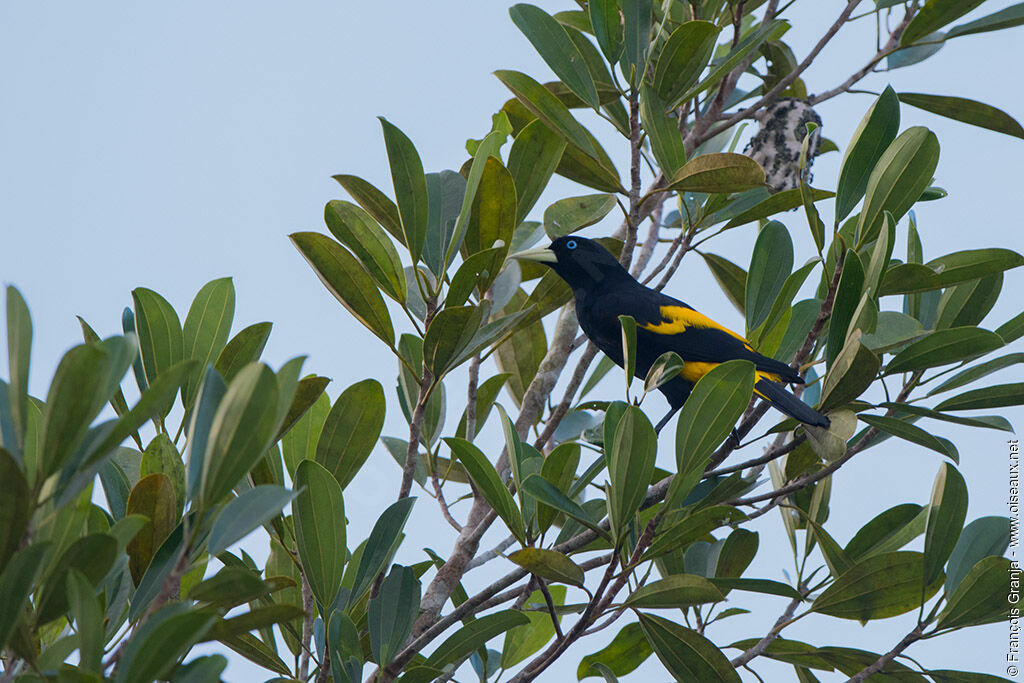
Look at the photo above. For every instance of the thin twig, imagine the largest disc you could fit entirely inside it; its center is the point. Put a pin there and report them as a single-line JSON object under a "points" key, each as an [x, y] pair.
{"points": [[474, 381], [881, 662], [307, 628], [769, 637]]}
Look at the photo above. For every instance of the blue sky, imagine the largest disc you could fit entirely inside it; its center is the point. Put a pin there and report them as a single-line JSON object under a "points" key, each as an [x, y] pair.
{"points": [[165, 145]]}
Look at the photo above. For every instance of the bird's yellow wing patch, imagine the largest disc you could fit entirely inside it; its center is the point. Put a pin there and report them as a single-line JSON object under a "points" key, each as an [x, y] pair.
{"points": [[693, 371], [677, 319]]}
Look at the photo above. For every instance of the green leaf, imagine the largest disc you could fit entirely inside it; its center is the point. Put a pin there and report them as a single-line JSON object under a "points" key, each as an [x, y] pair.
{"points": [[546, 107], [776, 203], [880, 586], [449, 334], [550, 40], [307, 394], [997, 21], [356, 229], [16, 506], [533, 158], [636, 24], [319, 513], [158, 644], [770, 264], [375, 203], [301, 440], [902, 174], [882, 527], [380, 546], [161, 343], [246, 512], [966, 111], [521, 356], [392, 613], [630, 467], [568, 215], [874, 134], [410, 187], [92, 555], [88, 615], [706, 419], [256, 618], [912, 433], [983, 421], [693, 527], [996, 396], [234, 585], [607, 24], [686, 654], [489, 484], [975, 373], [346, 279], [351, 429], [206, 330], [161, 456], [968, 303], [253, 649], [946, 513], [16, 581], [677, 591], [980, 598], [684, 56], [474, 635], [240, 432], [718, 172], [75, 397], [764, 586], [244, 348], [549, 494], [446, 193], [628, 650], [730, 277], [152, 497], [628, 325], [492, 219], [984, 537], [664, 369], [19, 351], [951, 269], [934, 15], [550, 565], [892, 330], [943, 347]]}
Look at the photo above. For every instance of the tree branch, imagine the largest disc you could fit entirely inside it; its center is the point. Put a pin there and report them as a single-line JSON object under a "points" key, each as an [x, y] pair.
{"points": [[880, 663], [769, 637]]}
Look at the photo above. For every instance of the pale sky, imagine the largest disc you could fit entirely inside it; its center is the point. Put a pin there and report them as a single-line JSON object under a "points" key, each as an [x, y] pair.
{"points": [[165, 145]]}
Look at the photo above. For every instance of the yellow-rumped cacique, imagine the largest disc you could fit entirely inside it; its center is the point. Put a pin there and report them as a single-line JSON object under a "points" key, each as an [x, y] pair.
{"points": [[604, 290]]}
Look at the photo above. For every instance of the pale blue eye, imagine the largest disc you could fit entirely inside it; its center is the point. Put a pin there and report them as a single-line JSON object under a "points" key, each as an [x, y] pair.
{"points": [[571, 244]]}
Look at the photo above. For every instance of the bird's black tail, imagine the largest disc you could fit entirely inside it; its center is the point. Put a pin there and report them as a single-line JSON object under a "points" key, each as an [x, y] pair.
{"points": [[790, 404]]}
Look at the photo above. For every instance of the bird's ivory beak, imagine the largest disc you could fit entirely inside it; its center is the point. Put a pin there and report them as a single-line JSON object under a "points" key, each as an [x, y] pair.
{"points": [[542, 254]]}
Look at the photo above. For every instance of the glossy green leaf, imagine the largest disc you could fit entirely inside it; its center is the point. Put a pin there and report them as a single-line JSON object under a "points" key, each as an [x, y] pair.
{"points": [[946, 513], [88, 615], [978, 371], [246, 512], [628, 650], [568, 215], [375, 203], [983, 537], [636, 30], [523, 641], [630, 467], [346, 279], [19, 351], [763, 586], [717, 172], [92, 555], [607, 24], [951, 269], [686, 654], [16, 581], [881, 528], [532, 159], [550, 40], [969, 302], [493, 215], [983, 421], [771, 263], [244, 348], [996, 396], [448, 335], [301, 440], [901, 175], [980, 598], [664, 369], [778, 202], [351, 429], [410, 187], [677, 591], [76, 395], [254, 650], [880, 586], [521, 356], [160, 642], [550, 565], [693, 527], [319, 514], [628, 347], [206, 330], [446, 193], [392, 613], [997, 21], [663, 132], [489, 484], [912, 433], [966, 111], [380, 545], [307, 394], [892, 330], [545, 106], [240, 432], [161, 343], [152, 497], [707, 418], [16, 505], [933, 15], [234, 585], [356, 229], [943, 347], [874, 134], [549, 494], [683, 57], [474, 635], [730, 277]]}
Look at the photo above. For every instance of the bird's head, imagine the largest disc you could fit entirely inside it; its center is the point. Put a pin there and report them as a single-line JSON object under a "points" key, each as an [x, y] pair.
{"points": [[580, 262]]}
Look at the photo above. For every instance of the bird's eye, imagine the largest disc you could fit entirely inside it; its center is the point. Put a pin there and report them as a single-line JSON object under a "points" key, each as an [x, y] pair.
{"points": [[571, 244]]}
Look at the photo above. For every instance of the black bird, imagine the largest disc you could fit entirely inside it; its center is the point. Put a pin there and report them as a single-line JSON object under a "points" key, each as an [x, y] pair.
{"points": [[604, 290]]}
